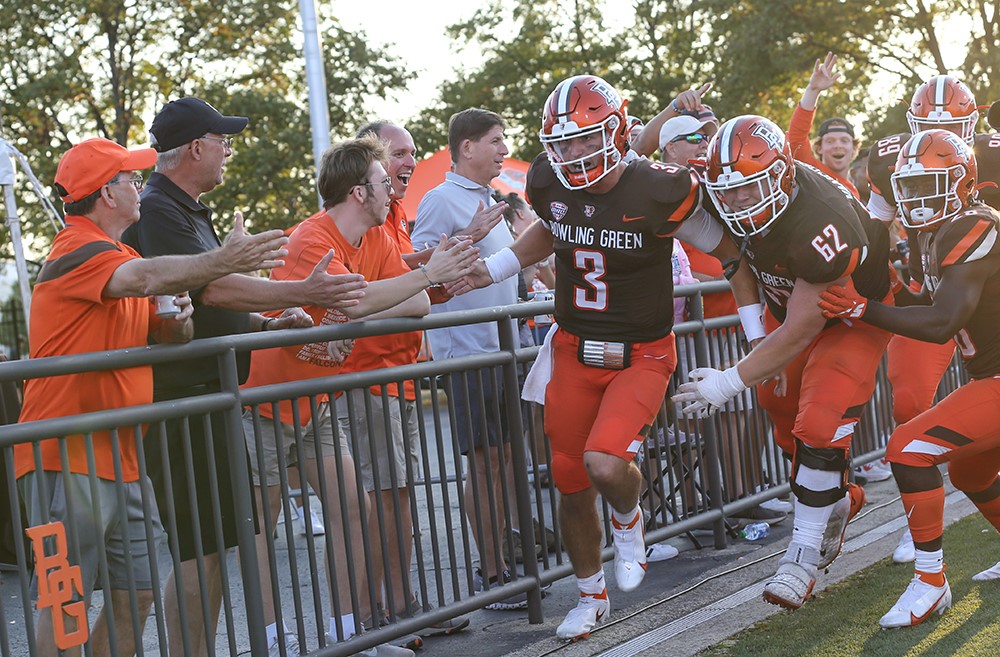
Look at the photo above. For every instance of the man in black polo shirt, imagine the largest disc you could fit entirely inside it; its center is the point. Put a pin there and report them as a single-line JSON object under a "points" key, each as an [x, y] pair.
{"points": [[193, 142]]}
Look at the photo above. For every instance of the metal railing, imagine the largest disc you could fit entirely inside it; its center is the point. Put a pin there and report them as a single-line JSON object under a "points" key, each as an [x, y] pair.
{"points": [[696, 474]]}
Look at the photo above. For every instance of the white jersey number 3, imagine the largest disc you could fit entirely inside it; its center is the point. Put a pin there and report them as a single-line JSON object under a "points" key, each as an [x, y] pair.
{"points": [[829, 246], [596, 296]]}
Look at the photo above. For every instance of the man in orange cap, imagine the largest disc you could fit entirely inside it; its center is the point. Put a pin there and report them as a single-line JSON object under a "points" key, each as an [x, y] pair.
{"points": [[93, 294]]}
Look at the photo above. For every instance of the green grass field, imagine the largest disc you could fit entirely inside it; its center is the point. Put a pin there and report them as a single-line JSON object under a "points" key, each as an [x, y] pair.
{"points": [[843, 620]]}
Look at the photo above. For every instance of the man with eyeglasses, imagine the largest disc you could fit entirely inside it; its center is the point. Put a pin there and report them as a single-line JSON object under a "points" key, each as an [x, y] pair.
{"points": [[92, 295], [194, 143], [356, 194]]}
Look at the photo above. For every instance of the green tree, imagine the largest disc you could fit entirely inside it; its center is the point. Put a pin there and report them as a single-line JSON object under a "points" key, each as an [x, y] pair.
{"points": [[81, 68]]}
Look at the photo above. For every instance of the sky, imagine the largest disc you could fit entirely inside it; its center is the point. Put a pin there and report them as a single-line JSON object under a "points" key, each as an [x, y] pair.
{"points": [[416, 33]]}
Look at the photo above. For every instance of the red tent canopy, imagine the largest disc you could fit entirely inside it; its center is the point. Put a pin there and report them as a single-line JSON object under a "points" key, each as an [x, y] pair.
{"points": [[430, 173]]}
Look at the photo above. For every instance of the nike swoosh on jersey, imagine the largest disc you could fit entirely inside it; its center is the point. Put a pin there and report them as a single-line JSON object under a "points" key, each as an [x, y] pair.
{"points": [[627, 218]]}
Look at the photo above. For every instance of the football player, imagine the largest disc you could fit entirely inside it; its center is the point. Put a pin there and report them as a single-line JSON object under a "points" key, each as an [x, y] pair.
{"points": [[800, 230], [611, 225], [934, 184], [915, 367]]}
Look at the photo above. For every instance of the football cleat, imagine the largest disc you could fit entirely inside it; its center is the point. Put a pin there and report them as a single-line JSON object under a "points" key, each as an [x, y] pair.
{"points": [[589, 612], [988, 574], [905, 552], [630, 552], [792, 585], [836, 527], [875, 471], [917, 603]]}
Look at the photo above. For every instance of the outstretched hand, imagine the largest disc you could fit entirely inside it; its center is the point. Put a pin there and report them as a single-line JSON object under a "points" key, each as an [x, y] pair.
{"points": [[708, 391], [243, 252], [477, 278], [453, 258], [333, 290], [690, 99], [483, 221], [825, 73]]}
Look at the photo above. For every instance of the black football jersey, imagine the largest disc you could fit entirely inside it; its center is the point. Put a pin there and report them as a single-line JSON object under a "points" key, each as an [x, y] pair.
{"points": [[823, 235], [970, 236], [614, 279]]}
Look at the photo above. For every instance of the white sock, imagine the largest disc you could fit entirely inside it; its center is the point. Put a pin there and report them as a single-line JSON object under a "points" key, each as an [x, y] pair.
{"points": [[593, 585], [625, 518], [347, 621], [929, 562], [810, 524]]}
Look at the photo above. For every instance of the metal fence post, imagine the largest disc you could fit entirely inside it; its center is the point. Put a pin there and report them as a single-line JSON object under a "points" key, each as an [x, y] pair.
{"points": [[510, 342], [244, 508], [696, 310]]}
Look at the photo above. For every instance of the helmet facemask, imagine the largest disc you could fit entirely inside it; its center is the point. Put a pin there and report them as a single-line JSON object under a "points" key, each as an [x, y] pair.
{"points": [[577, 168], [927, 196], [764, 186]]}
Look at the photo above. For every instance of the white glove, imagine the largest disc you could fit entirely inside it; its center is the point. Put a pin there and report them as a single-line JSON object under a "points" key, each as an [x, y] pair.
{"points": [[709, 390]]}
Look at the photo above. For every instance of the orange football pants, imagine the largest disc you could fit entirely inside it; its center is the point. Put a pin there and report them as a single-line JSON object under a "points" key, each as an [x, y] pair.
{"points": [[915, 370], [598, 410], [829, 384], [962, 429]]}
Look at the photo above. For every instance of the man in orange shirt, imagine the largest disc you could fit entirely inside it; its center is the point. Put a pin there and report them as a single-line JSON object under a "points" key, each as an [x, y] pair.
{"points": [[398, 463], [356, 196], [835, 149], [92, 295]]}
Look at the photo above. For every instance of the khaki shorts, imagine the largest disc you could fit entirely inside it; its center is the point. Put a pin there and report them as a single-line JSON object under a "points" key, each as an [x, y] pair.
{"points": [[83, 530], [403, 447], [321, 425]]}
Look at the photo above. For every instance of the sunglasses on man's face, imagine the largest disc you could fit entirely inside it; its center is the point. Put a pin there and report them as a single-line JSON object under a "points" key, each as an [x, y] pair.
{"points": [[696, 138]]}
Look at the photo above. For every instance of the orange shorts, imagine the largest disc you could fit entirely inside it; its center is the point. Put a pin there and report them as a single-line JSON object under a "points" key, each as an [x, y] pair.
{"points": [[915, 370], [598, 410], [829, 384], [962, 429]]}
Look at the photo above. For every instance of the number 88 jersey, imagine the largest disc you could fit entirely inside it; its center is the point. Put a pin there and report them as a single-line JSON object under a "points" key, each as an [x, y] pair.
{"points": [[825, 234]]}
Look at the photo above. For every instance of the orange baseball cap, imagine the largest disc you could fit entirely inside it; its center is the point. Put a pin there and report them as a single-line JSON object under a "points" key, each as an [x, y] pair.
{"points": [[91, 164]]}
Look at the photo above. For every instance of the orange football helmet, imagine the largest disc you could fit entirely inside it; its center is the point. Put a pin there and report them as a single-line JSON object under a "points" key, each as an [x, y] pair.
{"points": [[584, 130], [934, 178], [750, 173], [944, 102]]}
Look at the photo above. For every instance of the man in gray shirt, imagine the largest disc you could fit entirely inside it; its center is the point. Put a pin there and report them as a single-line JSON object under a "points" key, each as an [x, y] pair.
{"points": [[476, 142]]}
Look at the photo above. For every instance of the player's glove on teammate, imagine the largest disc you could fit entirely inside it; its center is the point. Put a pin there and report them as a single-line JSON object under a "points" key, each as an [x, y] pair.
{"points": [[842, 302], [709, 390]]}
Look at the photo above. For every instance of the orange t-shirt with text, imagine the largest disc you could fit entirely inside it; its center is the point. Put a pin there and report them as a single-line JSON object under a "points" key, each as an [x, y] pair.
{"points": [[398, 348], [375, 258]]}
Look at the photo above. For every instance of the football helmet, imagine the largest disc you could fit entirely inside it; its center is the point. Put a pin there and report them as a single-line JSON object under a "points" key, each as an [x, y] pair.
{"points": [[750, 173], [944, 102], [934, 178], [584, 130]]}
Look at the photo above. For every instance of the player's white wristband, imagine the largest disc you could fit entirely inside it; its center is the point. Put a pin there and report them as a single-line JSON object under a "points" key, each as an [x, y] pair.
{"points": [[752, 319], [502, 265]]}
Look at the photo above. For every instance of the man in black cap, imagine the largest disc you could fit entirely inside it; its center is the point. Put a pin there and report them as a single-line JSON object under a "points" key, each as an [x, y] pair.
{"points": [[194, 142]]}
